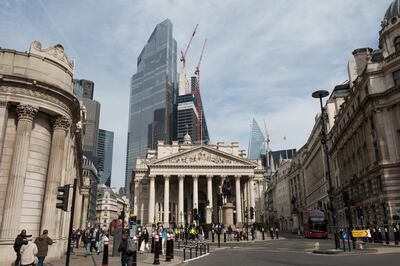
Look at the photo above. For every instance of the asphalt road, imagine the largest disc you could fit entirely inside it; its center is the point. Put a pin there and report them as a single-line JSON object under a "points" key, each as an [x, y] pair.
{"points": [[295, 252]]}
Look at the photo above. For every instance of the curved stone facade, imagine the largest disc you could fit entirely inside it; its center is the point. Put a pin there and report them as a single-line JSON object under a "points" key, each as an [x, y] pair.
{"points": [[40, 144]]}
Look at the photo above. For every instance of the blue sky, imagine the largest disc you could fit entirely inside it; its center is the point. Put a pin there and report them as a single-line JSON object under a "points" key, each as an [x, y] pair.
{"points": [[263, 58]]}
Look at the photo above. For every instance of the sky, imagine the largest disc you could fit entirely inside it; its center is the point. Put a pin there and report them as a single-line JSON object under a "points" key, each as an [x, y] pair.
{"points": [[263, 58]]}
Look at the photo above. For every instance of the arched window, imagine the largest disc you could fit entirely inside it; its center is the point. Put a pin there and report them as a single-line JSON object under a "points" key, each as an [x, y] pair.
{"points": [[397, 44]]}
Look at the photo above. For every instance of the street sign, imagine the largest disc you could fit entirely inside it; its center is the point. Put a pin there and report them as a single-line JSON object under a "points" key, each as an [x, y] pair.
{"points": [[345, 235], [361, 233]]}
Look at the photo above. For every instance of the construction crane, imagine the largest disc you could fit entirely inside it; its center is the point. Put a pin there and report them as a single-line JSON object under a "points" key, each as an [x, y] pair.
{"points": [[183, 54], [197, 73]]}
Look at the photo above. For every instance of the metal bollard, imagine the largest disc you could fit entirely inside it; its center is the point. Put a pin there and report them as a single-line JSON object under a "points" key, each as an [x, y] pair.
{"points": [[224, 237], [172, 247], [190, 249], [201, 250], [208, 248], [105, 252], [168, 249], [387, 236], [212, 237], [184, 254], [263, 235], [179, 244], [396, 237], [156, 251], [196, 251]]}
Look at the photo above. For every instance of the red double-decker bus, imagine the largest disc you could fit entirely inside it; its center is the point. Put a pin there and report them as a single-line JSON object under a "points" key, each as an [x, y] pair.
{"points": [[317, 224]]}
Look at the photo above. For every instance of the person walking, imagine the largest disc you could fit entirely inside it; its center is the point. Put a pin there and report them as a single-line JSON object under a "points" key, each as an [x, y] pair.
{"points": [[42, 242], [93, 240], [28, 252], [145, 241], [100, 242], [19, 241], [125, 251], [87, 242]]}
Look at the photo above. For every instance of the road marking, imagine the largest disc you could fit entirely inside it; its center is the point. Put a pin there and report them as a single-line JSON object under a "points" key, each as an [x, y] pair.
{"points": [[199, 257]]}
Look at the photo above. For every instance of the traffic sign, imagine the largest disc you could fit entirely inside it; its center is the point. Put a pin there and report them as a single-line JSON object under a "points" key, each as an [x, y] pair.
{"points": [[345, 235], [361, 233]]}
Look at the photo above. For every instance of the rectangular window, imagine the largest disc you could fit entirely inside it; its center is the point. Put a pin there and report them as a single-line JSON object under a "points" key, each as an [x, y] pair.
{"points": [[396, 77]]}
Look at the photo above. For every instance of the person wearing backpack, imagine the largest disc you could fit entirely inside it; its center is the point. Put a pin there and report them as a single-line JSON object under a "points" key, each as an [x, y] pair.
{"points": [[127, 248], [20, 240]]}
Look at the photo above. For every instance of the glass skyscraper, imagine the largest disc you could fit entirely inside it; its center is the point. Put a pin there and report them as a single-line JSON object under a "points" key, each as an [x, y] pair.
{"points": [[151, 104], [187, 116], [105, 145], [256, 143]]}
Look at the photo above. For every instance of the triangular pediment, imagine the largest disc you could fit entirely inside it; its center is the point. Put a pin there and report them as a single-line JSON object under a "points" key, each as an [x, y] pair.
{"points": [[203, 156]]}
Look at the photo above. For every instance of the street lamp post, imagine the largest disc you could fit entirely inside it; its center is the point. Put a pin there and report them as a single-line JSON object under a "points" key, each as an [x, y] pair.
{"points": [[319, 95]]}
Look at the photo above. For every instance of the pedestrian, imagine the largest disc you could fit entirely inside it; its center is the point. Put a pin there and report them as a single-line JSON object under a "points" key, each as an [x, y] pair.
{"points": [[145, 240], [230, 231], [78, 237], [93, 240], [42, 242], [100, 242], [164, 240], [253, 233], [19, 241], [87, 242], [126, 250], [28, 252], [271, 232], [277, 232]]}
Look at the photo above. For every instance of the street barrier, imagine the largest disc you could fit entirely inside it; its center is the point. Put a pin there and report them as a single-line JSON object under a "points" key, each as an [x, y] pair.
{"points": [[105, 252]]}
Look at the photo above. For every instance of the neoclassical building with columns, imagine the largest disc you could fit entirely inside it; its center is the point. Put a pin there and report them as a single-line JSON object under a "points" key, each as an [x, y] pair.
{"points": [[40, 145], [174, 180]]}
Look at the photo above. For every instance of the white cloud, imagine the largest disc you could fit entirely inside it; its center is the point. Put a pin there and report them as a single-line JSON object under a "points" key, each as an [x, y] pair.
{"points": [[263, 58]]}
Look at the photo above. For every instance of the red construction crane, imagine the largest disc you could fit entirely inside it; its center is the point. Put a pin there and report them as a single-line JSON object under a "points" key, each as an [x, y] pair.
{"points": [[183, 54], [197, 73]]}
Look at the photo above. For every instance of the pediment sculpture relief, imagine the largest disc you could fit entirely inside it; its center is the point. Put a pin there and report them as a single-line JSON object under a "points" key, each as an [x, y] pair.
{"points": [[201, 158]]}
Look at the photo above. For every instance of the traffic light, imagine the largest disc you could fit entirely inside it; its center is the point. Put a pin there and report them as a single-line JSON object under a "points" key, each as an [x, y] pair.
{"points": [[195, 214], [63, 195], [251, 212], [219, 200]]}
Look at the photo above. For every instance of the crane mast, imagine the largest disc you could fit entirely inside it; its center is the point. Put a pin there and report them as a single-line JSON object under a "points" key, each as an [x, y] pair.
{"points": [[183, 54], [197, 73]]}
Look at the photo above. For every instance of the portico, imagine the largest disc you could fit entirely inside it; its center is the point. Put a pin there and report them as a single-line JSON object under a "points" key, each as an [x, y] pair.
{"points": [[175, 187]]}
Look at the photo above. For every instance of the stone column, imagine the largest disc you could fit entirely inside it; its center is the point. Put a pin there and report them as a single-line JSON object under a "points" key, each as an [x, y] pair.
{"points": [[15, 187], [238, 201], [60, 126], [152, 199], [85, 207], [181, 212], [252, 196], [210, 199], [166, 201], [195, 192], [3, 124]]}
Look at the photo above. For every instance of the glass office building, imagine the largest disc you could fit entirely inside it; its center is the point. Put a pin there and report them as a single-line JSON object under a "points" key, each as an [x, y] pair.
{"points": [[105, 145], [256, 143], [152, 96], [187, 117]]}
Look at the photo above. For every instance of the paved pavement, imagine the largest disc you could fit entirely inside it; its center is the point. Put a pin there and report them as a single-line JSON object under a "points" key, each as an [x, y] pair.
{"points": [[79, 259]]}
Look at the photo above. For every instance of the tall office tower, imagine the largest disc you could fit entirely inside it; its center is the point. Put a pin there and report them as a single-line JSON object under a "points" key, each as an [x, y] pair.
{"points": [[78, 89], [187, 116], [152, 96], [256, 142], [85, 89], [105, 145]]}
